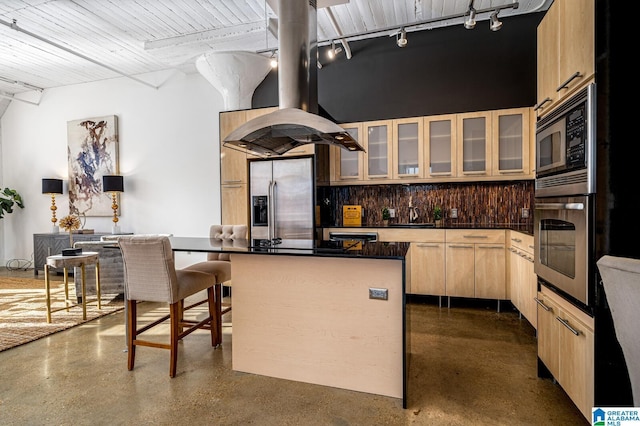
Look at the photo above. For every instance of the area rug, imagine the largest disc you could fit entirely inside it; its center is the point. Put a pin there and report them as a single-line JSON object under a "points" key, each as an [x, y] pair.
{"points": [[23, 314]]}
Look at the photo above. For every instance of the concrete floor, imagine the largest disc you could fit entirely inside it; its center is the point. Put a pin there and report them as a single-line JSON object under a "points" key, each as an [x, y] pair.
{"points": [[469, 366]]}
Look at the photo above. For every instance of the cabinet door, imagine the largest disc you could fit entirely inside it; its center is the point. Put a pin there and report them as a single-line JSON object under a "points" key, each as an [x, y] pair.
{"points": [[548, 334], [348, 165], [547, 54], [460, 271], [233, 163], [407, 148], [577, 45], [440, 148], [576, 361], [428, 269], [510, 135], [377, 143], [474, 151], [490, 270], [235, 206], [529, 289]]}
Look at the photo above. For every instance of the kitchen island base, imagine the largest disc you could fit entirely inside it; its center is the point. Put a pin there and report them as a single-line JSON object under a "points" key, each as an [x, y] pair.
{"points": [[311, 319]]}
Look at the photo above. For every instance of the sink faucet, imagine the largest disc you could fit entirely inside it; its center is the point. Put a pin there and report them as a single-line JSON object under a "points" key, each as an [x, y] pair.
{"points": [[413, 211]]}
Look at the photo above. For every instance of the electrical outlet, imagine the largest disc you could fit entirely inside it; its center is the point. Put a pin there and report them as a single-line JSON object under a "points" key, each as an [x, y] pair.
{"points": [[454, 213], [392, 213], [525, 213], [379, 293]]}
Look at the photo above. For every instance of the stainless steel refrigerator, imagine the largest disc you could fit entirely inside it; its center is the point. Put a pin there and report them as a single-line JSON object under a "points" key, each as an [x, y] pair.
{"points": [[281, 194]]}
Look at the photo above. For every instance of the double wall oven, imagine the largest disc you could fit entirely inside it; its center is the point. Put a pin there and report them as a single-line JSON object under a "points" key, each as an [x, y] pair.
{"points": [[565, 199]]}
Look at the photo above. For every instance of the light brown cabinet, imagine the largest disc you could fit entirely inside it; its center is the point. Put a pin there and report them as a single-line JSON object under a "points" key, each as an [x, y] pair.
{"points": [[476, 263], [566, 347], [440, 132], [566, 51], [347, 166], [377, 142], [523, 286], [474, 146], [407, 147], [511, 138]]}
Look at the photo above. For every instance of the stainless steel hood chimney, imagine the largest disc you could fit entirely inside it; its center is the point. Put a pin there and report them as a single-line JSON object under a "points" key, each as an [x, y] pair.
{"points": [[296, 121]]}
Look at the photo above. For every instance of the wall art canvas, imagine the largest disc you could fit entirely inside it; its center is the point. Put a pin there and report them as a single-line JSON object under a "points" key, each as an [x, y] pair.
{"points": [[92, 153]]}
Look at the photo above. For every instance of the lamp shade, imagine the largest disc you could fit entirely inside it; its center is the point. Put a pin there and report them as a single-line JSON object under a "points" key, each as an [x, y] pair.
{"points": [[52, 186], [112, 183]]}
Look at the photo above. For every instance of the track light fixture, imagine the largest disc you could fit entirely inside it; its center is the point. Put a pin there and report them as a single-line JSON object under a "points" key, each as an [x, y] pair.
{"points": [[495, 24], [333, 52], [470, 22], [401, 38]]}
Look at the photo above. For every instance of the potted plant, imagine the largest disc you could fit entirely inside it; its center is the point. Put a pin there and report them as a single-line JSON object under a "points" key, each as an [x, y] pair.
{"points": [[9, 197], [385, 215], [437, 215]]}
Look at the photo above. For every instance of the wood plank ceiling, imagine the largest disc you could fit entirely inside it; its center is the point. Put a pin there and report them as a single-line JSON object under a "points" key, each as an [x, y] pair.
{"points": [[132, 37]]}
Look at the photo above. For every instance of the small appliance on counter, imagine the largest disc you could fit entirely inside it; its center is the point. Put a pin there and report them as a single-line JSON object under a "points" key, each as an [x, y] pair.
{"points": [[352, 215]]}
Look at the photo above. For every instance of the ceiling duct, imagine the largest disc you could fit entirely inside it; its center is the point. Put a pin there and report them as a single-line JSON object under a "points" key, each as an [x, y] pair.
{"points": [[296, 121]]}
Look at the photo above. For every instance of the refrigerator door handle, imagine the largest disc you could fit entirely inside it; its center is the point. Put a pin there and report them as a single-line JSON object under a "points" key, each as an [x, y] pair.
{"points": [[271, 211], [274, 192]]}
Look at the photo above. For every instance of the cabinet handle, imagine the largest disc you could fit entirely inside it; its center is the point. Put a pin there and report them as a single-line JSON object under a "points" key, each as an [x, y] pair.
{"points": [[566, 83], [544, 101], [377, 177], [566, 324], [511, 172], [475, 236], [457, 246], [517, 240], [532, 247], [233, 186], [541, 303], [232, 181], [478, 173], [491, 247], [428, 245]]}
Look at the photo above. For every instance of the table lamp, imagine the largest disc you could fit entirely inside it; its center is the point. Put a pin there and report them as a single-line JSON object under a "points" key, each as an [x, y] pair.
{"points": [[52, 187], [113, 184]]}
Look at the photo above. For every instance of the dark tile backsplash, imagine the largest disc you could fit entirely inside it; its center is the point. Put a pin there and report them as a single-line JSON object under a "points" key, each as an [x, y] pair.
{"points": [[480, 203]]}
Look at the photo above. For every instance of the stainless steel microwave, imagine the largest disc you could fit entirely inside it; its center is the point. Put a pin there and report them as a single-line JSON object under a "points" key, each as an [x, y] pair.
{"points": [[565, 147]]}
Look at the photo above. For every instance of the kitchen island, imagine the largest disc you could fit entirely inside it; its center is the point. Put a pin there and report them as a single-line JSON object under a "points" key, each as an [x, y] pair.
{"points": [[325, 312]]}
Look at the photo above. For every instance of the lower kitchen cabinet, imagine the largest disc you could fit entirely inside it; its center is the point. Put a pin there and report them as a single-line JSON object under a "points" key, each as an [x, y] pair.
{"points": [[235, 207], [523, 282], [428, 268], [476, 263], [566, 347]]}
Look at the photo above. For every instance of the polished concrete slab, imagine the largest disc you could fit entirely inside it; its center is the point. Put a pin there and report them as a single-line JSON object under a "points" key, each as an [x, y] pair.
{"points": [[470, 365]]}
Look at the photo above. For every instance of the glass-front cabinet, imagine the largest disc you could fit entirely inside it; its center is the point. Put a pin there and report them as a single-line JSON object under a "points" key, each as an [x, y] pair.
{"points": [[348, 165], [407, 148], [474, 149], [377, 143], [511, 135], [440, 148]]}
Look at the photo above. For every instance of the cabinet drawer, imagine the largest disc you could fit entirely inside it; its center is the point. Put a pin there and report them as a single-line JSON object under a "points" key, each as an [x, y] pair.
{"points": [[520, 241], [475, 236]]}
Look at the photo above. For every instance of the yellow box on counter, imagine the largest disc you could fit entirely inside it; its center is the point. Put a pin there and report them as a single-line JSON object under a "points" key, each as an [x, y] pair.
{"points": [[351, 215]]}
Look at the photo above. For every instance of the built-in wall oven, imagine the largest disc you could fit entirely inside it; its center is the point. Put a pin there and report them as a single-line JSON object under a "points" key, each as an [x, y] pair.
{"points": [[565, 200]]}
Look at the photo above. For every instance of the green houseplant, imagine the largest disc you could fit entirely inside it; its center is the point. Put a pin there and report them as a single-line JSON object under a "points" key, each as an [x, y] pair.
{"points": [[9, 197], [385, 214], [437, 215]]}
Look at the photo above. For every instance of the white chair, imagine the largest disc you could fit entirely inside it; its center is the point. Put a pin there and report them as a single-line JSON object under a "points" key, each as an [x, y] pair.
{"points": [[621, 282], [150, 275], [219, 264]]}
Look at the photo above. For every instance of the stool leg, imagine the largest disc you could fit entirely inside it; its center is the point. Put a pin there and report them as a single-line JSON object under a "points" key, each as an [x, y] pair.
{"points": [[47, 294], [98, 284], [84, 293], [66, 288]]}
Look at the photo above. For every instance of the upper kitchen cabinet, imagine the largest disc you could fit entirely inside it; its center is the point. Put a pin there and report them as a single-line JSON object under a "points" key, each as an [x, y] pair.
{"points": [[440, 147], [347, 166], [407, 148], [233, 163], [474, 147], [511, 134], [566, 51], [377, 143]]}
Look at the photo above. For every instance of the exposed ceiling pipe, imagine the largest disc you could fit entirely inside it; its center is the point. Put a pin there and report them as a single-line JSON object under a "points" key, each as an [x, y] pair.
{"points": [[13, 98], [14, 26], [338, 30]]}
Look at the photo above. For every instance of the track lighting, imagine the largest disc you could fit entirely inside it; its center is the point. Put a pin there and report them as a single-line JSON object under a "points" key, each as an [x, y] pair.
{"points": [[333, 52], [470, 22], [401, 38], [495, 23]]}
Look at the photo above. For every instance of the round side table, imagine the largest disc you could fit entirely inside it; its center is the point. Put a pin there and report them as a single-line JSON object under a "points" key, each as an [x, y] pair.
{"points": [[66, 262]]}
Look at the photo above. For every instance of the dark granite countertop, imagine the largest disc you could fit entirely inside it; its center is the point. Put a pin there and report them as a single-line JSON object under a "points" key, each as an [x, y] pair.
{"points": [[321, 248], [526, 228]]}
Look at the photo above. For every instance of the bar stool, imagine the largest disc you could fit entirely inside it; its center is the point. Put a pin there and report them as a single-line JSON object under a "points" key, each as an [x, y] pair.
{"points": [[66, 262]]}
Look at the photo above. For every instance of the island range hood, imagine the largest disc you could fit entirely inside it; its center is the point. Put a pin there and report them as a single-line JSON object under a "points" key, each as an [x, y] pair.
{"points": [[296, 122]]}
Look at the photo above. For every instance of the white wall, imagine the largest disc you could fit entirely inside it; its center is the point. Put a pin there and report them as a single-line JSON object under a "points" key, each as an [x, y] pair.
{"points": [[168, 155]]}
